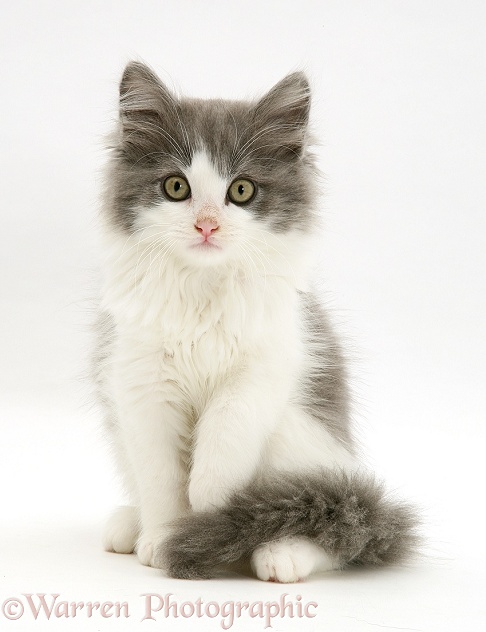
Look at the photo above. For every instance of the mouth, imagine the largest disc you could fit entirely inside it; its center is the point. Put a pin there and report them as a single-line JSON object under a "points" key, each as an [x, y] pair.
{"points": [[205, 245]]}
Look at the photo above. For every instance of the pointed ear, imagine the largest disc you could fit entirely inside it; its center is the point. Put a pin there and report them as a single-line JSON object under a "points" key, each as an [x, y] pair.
{"points": [[147, 111], [288, 101], [142, 91], [284, 113]]}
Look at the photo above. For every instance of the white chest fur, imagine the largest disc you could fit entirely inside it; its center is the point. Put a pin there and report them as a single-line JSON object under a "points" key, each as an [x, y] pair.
{"points": [[184, 331]]}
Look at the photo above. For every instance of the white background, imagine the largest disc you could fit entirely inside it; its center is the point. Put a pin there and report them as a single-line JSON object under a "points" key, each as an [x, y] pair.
{"points": [[399, 105]]}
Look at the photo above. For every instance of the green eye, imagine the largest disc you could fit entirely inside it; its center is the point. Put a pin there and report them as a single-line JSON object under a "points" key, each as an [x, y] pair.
{"points": [[241, 191], [176, 188]]}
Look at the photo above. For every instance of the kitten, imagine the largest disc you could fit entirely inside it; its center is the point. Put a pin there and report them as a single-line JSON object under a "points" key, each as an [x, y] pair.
{"points": [[224, 386]]}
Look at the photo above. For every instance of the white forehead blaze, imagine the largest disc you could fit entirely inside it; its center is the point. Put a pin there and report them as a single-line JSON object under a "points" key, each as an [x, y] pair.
{"points": [[207, 185]]}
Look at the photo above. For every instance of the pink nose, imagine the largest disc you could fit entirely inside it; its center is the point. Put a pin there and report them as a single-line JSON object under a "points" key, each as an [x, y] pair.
{"points": [[206, 227]]}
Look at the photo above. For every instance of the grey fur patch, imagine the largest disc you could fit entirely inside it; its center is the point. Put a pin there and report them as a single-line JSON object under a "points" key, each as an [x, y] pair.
{"points": [[325, 390], [351, 517], [266, 140]]}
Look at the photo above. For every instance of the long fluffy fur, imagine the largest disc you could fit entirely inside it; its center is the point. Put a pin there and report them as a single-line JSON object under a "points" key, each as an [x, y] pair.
{"points": [[350, 516], [219, 367]]}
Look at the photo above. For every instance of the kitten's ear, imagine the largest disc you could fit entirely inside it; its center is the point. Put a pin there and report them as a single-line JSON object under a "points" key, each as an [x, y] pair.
{"points": [[142, 91], [285, 109], [147, 110]]}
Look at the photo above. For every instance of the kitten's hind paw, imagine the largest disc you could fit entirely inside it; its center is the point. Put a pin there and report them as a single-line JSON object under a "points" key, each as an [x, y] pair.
{"points": [[289, 560], [121, 530]]}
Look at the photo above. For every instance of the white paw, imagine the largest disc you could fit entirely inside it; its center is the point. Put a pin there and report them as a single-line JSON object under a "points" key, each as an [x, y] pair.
{"points": [[150, 546], [145, 550], [121, 530], [289, 560]]}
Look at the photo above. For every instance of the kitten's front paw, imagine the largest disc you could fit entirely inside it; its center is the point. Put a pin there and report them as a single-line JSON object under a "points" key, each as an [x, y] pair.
{"points": [[150, 548], [145, 550], [289, 560], [121, 531]]}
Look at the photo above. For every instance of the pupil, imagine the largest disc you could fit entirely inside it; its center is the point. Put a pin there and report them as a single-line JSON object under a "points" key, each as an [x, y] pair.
{"points": [[241, 189], [177, 185]]}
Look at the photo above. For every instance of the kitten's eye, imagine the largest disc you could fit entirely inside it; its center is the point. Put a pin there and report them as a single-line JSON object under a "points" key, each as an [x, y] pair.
{"points": [[241, 191], [176, 188]]}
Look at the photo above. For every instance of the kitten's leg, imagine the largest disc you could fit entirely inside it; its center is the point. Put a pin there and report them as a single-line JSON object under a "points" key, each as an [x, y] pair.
{"points": [[232, 432], [290, 560], [122, 530], [123, 527], [152, 435]]}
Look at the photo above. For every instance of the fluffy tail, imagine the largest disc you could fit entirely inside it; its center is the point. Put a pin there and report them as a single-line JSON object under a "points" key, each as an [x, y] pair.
{"points": [[350, 516]]}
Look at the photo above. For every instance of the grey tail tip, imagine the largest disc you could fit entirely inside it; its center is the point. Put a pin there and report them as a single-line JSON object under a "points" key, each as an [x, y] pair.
{"points": [[351, 516]]}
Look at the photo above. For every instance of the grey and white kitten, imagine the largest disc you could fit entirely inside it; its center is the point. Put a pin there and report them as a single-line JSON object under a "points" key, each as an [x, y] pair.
{"points": [[224, 386]]}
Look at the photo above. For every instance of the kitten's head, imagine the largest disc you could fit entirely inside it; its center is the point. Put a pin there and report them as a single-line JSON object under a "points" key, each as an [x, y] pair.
{"points": [[211, 182]]}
